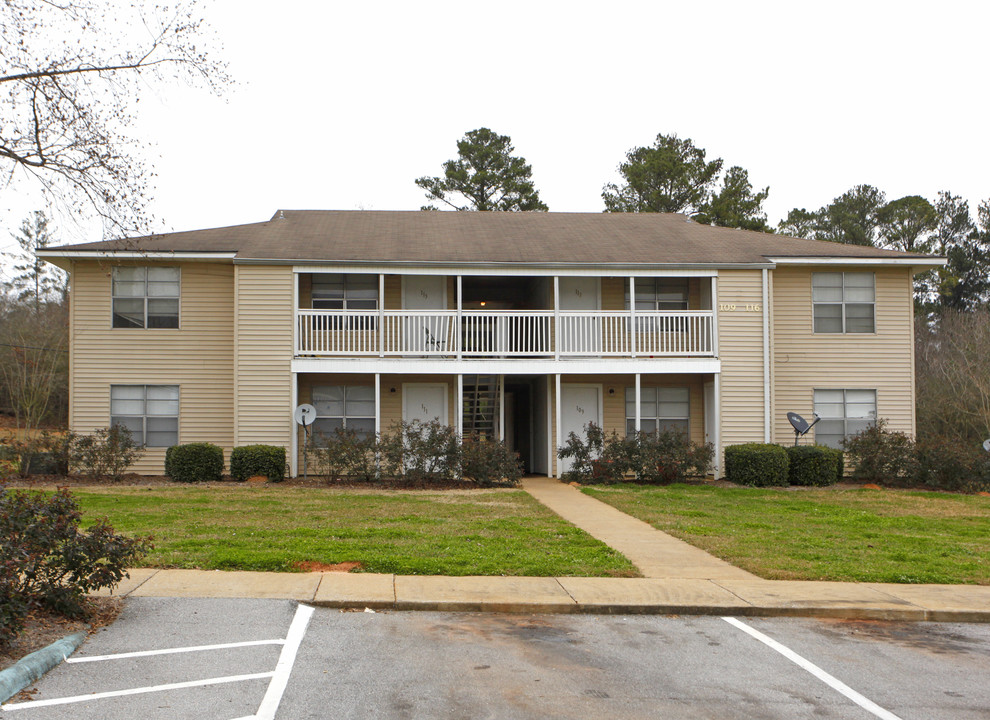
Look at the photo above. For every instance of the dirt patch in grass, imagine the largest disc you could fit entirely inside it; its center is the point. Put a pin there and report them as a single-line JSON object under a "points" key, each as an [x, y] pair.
{"points": [[41, 628], [315, 566]]}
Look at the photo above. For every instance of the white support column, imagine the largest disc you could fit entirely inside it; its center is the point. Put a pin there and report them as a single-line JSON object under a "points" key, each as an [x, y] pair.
{"points": [[294, 435], [459, 411], [717, 439], [556, 321], [558, 425], [766, 359], [639, 406], [551, 452], [501, 408], [715, 315], [632, 333], [295, 317], [381, 315], [378, 404], [459, 330]]}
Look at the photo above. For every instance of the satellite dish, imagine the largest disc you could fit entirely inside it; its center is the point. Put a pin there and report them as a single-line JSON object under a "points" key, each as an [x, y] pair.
{"points": [[799, 424], [986, 445], [304, 415]]}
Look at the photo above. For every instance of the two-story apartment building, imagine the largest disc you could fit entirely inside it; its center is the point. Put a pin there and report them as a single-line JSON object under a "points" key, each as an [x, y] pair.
{"points": [[521, 326]]}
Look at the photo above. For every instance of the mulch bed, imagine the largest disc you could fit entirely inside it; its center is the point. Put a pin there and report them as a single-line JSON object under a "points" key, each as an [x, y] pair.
{"points": [[43, 628]]}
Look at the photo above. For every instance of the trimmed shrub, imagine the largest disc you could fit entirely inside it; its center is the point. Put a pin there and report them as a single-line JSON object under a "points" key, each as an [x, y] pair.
{"points": [[757, 464], [49, 563], [812, 465], [251, 460], [487, 463], [194, 462], [881, 456]]}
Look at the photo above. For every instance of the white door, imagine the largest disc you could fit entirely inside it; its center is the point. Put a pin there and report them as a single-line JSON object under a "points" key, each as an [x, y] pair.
{"points": [[424, 402], [579, 405], [581, 334], [425, 332]]}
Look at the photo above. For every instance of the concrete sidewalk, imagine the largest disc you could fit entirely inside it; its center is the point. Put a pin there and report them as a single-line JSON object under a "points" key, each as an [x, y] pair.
{"points": [[678, 579], [687, 596]]}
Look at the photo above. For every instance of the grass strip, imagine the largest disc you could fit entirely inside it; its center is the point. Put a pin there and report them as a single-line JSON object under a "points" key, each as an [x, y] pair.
{"points": [[499, 532], [836, 533]]}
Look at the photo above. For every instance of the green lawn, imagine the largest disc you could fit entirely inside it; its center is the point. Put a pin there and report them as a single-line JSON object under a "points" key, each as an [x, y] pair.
{"points": [[824, 533], [500, 532]]}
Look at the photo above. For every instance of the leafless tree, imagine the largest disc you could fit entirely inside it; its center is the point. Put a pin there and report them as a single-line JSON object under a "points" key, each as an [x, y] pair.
{"points": [[71, 75]]}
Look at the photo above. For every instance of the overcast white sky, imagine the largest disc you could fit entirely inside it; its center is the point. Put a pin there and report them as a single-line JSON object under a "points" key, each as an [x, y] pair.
{"points": [[341, 105]]}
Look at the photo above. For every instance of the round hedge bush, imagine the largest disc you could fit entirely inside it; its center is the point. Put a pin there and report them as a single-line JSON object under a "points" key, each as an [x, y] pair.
{"points": [[756, 464], [251, 460], [813, 465], [194, 462]]}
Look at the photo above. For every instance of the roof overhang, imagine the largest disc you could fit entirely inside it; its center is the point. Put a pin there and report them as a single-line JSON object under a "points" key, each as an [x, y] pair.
{"points": [[928, 262]]}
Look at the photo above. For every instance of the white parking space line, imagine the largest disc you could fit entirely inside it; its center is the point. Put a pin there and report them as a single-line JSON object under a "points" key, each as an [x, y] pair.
{"points": [[170, 651], [829, 680], [287, 658], [134, 691]]}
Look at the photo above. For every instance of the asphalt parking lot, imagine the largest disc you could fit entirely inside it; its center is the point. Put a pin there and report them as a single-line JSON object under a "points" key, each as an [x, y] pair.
{"points": [[233, 659]]}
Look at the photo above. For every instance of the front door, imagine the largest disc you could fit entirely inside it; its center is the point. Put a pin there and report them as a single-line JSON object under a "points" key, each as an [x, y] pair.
{"points": [[581, 333], [424, 402], [579, 405], [425, 332]]}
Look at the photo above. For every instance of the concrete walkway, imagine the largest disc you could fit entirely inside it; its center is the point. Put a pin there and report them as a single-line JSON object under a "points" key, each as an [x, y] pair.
{"points": [[656, 554], [679, 579]]}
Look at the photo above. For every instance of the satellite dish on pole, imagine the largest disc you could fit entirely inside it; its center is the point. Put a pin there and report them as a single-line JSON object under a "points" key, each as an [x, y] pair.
{"points": [[800, 425], [986, 445], [304, 415]]}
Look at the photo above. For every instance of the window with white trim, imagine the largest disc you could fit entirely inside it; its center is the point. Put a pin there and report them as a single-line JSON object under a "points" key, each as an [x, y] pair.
{"points": [[150, 412], [660, 294], [843, 302], [660, 409], [342, 291], [344, 407], [843, 413], [145, 297]]}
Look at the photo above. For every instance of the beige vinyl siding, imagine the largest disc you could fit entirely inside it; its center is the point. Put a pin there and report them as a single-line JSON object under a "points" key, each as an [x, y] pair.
{"points": [[262, 372], [614, 293], [198, 356], [805, 360], [740, 344]]}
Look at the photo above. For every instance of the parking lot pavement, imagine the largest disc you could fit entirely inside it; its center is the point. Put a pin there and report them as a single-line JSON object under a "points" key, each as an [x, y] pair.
{"points": [[175, 658], [464, 665]]}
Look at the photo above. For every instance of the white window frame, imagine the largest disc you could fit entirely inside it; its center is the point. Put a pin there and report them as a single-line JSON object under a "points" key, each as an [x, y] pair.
{"points": [[346, 278], [347, 416], [846, 418], [644, 282], [144, 416], [146, 297], [842, 304], [660, 418]]}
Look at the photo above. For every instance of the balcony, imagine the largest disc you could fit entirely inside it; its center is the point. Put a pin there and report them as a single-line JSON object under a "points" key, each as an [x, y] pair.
{"points": [[504, 333]]}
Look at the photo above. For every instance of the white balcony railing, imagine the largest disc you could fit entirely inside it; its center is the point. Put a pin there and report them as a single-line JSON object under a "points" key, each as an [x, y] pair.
{"points": [[503, 333]]}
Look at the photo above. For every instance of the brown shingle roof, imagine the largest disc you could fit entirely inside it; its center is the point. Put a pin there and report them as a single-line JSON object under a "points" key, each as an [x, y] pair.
{"points": [[493, 237]]}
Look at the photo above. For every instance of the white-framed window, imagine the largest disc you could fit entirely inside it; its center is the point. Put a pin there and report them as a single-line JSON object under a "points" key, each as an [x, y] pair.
{"points": [[660, 293], [346, 407], [145, 297], [660, 409], [342, 291], [150, 412], [843, 302], [843, 413]]}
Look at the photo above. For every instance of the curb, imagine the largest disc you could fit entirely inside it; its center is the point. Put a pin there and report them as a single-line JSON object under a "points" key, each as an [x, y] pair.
{"points": [[31, 667]]}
